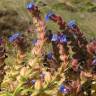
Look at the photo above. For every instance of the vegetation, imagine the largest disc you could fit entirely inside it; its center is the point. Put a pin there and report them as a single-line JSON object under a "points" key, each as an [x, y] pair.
{"points": [[42, 60]]}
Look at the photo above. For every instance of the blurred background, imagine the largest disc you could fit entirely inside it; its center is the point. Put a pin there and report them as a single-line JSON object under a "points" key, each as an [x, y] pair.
{"points": [[14, 16]]}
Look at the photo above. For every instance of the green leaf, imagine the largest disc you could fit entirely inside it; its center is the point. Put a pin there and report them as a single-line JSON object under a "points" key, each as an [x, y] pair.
{"points": [[18, 89]]}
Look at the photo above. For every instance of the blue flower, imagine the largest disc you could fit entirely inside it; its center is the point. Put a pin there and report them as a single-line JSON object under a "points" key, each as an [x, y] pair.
{"points": [[14, 37], [54, 37], [47, 17], [62, 38], [33, 81], [30, 6], [49, 55], [62, 89], [72, 24]]}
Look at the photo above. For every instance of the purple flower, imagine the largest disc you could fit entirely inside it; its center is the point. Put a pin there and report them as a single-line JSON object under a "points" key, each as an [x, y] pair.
{"points": [[72, 24], [54, 37], [49, 55], [33, 81], [63, 89], [47, 17], [62, 38], [30, 6], [14, 37]]}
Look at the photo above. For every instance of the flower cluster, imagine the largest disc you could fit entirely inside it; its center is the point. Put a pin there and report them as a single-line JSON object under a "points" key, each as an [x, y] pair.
{"points": [[54, 37], [30, 6], [72, 24], [57, 19], [63, 89], [59, 38], [47, 17], [14, 37], [33, 9]]}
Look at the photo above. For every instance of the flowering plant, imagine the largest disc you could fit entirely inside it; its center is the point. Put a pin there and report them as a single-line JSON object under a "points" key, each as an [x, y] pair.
{"points": [[68, 69]]}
